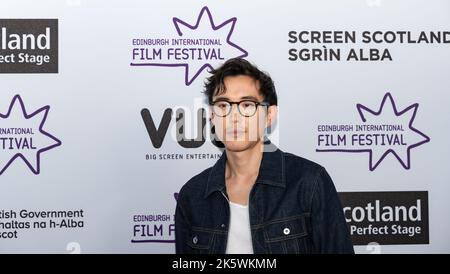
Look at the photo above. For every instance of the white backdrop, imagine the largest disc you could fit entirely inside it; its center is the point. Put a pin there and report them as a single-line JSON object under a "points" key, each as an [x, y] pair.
{"points": [[100, 155]]}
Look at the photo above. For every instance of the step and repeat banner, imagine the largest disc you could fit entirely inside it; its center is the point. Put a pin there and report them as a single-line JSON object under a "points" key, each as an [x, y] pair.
{"points": [[103, 119]]}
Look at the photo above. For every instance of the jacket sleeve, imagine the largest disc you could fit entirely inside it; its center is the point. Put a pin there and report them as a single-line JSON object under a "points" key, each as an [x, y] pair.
{"points": [[181, 228], [329, 228]]}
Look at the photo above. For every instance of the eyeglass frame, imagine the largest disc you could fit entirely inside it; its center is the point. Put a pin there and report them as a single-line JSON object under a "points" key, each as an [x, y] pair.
{"points": [[239, 109]]}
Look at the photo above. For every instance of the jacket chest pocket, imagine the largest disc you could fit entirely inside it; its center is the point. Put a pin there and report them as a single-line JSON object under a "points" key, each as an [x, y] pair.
{"points": [[287, 235], [200, 241]]}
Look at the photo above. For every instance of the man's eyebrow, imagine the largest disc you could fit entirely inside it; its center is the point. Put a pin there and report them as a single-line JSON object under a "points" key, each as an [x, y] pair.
{"points": [[221, 99], [249, 97]]}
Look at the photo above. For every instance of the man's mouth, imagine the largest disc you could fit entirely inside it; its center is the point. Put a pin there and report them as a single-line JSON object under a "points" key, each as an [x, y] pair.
{"points": [[235, 134]]}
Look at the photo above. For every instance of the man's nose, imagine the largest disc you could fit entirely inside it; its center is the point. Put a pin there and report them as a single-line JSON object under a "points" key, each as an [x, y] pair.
{"points": [[234, 113]]}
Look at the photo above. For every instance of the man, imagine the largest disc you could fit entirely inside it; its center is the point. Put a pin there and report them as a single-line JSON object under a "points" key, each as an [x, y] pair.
{"points": [[256, 198]]}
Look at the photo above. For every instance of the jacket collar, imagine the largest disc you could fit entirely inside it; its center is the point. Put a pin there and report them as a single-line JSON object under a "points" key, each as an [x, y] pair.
{"points": [[271, 170]]}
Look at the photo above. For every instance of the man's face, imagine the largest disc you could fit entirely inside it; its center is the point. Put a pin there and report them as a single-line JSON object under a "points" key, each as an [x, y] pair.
{"points": [[235, 130]]}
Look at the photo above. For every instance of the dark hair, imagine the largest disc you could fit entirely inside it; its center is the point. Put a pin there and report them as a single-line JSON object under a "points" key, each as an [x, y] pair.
{"points": [[237, 66]]}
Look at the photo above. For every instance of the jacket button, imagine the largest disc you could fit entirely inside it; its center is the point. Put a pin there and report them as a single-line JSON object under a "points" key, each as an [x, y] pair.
{"points": [[222, 225], [286, 231], [195, 240]]}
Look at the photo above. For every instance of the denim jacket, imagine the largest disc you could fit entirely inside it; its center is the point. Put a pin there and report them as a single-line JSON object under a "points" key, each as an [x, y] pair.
{"points": [[293, 208]]}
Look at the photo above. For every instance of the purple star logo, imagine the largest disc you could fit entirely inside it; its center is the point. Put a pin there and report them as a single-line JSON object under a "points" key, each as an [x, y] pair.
{"points": [[409, 113], [398, 144], [22, 135], [193, 58]]}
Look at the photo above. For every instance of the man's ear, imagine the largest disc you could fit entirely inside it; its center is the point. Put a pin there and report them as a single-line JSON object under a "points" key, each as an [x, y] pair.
{"points": [[272, 115], [211, 115]]}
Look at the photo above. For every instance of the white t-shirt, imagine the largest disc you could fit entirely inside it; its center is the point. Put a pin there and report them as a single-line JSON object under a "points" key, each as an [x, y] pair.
{"points": [[239, 235]]}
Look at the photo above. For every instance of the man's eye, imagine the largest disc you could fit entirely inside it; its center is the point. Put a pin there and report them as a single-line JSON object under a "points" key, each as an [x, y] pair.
{"points": [[222, 105]]}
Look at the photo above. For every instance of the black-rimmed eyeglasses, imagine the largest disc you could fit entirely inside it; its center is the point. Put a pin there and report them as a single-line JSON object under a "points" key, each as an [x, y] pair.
{"points": [[246, 108]]}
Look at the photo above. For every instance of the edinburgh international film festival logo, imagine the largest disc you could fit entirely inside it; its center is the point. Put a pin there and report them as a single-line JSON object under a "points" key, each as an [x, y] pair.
{"points": [[383, 131], [23, 135], [154, 227], [194, 46], [28, 45]]}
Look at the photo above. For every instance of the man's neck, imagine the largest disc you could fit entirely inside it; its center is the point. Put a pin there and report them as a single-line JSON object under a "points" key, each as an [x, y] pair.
{"points": [[244, 164]]}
